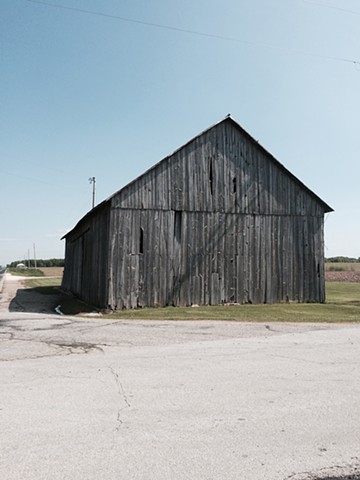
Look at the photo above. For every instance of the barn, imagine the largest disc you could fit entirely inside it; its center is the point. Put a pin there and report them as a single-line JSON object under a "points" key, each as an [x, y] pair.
{"points": [[218, 221]]}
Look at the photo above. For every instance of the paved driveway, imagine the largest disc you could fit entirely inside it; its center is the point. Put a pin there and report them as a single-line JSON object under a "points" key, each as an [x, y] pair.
{"points": [[87, 399]]}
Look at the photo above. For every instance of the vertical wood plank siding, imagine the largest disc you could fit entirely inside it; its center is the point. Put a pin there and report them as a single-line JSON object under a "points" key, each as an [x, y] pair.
{"points": [[200, 177], [86, 259], [223, 258], [219, 221]]}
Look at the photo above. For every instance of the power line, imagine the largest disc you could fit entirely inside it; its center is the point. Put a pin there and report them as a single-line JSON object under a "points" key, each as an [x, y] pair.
{"points": [[332, 7], [39, 165], [36, 164], [195, 32], [28, 178]]}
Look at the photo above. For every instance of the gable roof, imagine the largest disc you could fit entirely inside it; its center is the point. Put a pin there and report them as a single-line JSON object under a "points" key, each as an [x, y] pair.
{"points": [[235, 124]]}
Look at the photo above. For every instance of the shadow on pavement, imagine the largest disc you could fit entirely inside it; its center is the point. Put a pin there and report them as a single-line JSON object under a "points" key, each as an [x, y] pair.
{"points": [[35, 300], [46, 299]]}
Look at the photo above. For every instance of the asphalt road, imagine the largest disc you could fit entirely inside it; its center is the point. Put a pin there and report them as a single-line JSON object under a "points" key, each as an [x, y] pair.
{"points": [[87, 399]]}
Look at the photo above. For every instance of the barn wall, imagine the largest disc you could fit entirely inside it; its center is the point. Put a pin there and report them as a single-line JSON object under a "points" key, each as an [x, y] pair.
{"points": [[182, 258], [220, 171], [219, 221], [250, 231], [86, 259]]}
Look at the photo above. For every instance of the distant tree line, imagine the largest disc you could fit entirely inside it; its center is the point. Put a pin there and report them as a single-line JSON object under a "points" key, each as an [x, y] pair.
{"points": [[342, 260], [60, 262], [51, 262]]}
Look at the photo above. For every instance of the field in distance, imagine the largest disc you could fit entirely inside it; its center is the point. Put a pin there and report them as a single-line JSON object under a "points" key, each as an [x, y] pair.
{"points": [[342, 272], [52, 271], [342, 267]]}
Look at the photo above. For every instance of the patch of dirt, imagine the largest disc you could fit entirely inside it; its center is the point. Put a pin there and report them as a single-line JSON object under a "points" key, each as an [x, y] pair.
{"points": [[348, 276], [52, 271]]}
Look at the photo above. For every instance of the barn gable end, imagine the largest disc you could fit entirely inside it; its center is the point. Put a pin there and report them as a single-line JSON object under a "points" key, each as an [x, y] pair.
{"points": [[218, 221], [222, 169]]}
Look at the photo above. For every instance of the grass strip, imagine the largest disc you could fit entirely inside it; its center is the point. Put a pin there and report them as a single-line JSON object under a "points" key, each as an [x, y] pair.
{"points": [[342, 305], [25, 272], [43, 282]]}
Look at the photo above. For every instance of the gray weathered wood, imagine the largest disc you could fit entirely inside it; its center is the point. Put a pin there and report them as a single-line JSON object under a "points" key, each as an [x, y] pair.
{"points": [[219, 221]]}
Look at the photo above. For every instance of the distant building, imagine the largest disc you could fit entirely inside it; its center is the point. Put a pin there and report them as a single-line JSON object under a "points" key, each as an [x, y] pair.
{"points": [[21, 266], [218, 221]]}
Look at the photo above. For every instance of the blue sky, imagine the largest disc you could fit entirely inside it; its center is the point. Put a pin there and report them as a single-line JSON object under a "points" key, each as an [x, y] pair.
{"points": [[87, 95]]}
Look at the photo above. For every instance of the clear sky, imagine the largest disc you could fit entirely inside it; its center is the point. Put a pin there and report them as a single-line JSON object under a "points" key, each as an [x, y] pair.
{"points": [[110, 94]]}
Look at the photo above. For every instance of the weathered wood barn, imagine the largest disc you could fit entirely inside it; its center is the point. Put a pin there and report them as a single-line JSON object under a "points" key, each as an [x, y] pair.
{"points": [[218, 221]]}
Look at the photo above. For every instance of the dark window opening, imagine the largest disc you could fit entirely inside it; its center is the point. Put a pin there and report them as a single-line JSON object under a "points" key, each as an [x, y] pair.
{"points": [[141, 241], [211, 178], [234, 185], [177, 226]]}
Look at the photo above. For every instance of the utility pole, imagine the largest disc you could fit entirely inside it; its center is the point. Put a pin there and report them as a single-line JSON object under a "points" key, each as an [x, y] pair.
{"points": [[34, 256], [93, 181]]}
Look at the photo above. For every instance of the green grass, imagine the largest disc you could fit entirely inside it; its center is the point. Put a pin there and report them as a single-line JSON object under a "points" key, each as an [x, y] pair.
{"points": [[251, 313], [342, 305], [25, 272], [343, 293], [49, 283]]}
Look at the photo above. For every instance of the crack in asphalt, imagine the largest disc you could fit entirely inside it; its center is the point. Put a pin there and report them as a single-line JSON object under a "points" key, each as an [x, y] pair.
{"points": [[122, 394], [65, 348], [303, 360], [73, 346], [9, 334], [18, 333], [19, 328]]}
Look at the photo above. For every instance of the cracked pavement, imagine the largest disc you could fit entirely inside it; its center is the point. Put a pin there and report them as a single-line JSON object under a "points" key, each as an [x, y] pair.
{"points": [[90, 398]]}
